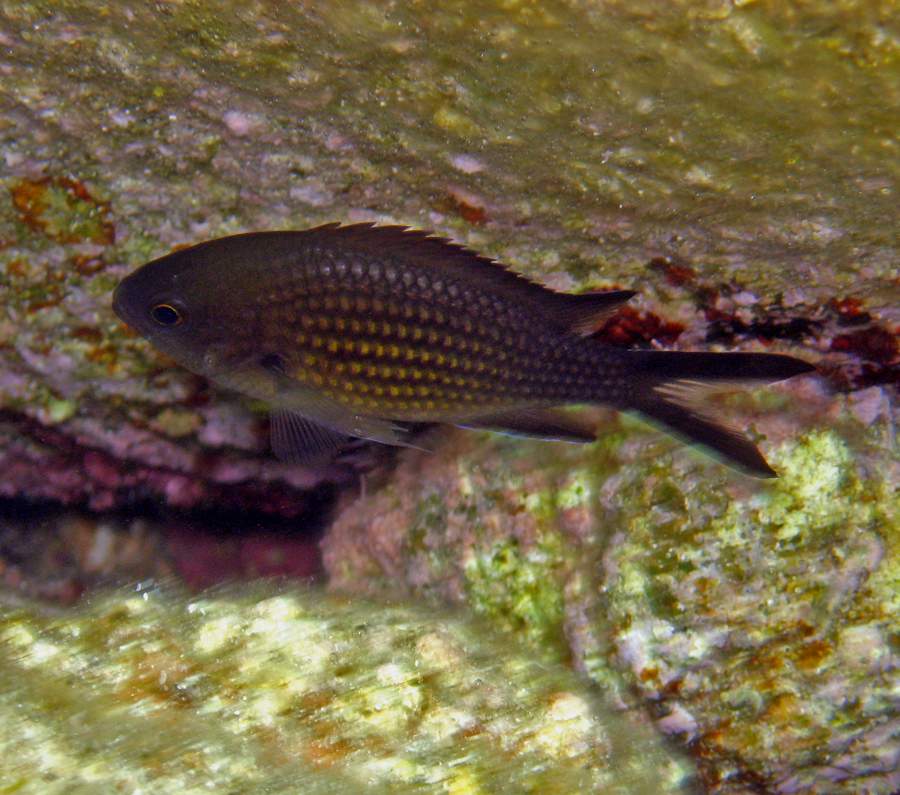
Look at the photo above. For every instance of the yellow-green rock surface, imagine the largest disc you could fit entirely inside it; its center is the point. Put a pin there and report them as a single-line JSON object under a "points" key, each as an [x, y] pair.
{"points": [[757, 621], [297, 692]]}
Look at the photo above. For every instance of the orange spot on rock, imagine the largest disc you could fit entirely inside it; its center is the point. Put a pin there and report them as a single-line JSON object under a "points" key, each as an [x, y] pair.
{"points": [[16, 267], [676, 274], [470, 206], [87, 266], [810, 656], [87, 333], [63, 209]]}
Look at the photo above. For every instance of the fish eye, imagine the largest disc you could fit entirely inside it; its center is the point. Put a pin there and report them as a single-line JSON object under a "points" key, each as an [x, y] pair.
{"points": [[166, 315]]}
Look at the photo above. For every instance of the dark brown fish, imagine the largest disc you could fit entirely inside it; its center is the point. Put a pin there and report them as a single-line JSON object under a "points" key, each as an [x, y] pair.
{"points": [[360, 330]]}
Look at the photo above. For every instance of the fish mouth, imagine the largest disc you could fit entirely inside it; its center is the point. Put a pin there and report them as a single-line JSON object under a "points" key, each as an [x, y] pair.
{"points": [[120, 304], [117, 301]]}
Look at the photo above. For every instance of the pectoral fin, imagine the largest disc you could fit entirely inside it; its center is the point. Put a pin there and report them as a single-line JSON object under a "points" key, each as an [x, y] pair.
{"points": [[547, 424], [297, 440]]}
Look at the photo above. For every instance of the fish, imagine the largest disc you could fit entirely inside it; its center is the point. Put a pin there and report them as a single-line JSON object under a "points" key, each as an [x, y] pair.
{"points": [[368, 331]]}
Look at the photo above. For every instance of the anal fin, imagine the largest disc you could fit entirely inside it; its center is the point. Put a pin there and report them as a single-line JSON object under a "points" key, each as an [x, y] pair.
{"points": [[547, 424]]}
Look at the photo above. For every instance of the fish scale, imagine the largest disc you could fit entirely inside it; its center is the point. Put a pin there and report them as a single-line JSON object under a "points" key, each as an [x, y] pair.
{"points": [[382, 317], [359, 330]]}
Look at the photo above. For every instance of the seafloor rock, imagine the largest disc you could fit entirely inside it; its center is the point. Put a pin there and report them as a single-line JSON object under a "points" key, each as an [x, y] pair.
{"points": [[285, 692], [756, 620], [747, 149], [59, 555]]}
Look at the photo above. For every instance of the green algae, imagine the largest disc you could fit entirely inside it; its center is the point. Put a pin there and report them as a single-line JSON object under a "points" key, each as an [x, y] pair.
{"points": [[759, 618], [513, 589], [273, 690]]}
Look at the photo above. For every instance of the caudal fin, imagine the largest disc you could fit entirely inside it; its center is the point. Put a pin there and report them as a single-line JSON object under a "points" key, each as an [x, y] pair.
{"points": [[673, 387]]}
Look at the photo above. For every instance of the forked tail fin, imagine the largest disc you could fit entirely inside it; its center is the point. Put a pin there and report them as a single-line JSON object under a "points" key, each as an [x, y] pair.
{"points": [[672, 386]]}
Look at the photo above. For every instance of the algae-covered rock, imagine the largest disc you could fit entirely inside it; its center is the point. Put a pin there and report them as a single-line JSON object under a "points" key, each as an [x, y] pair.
{"points": [[757, 621], [293, 691], [750, 144]]}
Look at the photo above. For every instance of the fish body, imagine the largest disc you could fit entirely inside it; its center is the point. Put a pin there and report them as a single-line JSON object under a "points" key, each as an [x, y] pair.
{"points": [[360, 330]]}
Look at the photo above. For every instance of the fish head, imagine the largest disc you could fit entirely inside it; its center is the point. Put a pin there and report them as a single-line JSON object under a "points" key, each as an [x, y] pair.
{"points": [[175, 303]]}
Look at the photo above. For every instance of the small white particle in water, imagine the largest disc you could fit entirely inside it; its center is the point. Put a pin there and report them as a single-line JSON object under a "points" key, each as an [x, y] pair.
{"points": [[239, 123], [678, 721], [467, 164], [744, 298]]}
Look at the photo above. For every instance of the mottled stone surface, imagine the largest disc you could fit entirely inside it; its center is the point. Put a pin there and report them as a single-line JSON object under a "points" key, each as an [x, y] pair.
{"points": [[735, 162], [757, 621], [292, 691], [752, 146]]}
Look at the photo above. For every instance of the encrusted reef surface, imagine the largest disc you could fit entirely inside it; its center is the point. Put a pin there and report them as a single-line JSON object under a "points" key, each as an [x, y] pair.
{"points": [[757, 621], [292, 691], [747, 152], [736, 163]]}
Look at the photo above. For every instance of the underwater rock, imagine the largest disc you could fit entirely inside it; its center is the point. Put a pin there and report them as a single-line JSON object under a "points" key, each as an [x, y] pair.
{"points": [[756, 622], [740, 149], [59, 555], [267, 690]]}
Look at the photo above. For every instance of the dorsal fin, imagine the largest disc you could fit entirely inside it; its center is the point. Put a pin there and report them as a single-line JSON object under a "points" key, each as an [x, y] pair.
{"points": [[582, 314], [586, 313]]}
